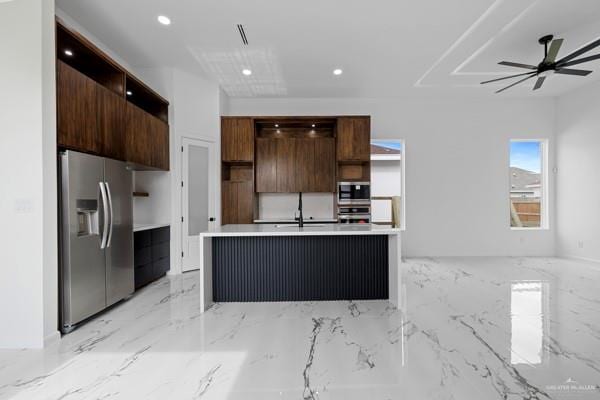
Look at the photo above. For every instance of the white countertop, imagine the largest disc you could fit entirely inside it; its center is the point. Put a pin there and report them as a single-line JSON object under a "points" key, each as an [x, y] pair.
{"points": [[293, 221], [145, 227], [307, 230]]}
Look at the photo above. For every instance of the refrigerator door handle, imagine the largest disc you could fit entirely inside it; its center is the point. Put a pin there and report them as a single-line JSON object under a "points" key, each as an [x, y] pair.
{"points": [[105, 212], [110, 207]]}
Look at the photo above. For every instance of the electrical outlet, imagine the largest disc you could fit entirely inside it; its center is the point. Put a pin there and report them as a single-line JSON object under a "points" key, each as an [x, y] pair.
{"points": [[24, 206], [580, 244]]}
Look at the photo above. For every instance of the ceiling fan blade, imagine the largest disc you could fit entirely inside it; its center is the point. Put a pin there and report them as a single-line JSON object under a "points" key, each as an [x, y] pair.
{"points": [[539, 82], [518, 65], [579, 52], [553, 51], [580, 61], [507, 77], [569, 71], [516, 83]]}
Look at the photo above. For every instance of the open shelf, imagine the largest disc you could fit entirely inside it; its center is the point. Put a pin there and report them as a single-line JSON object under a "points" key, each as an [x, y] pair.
{"points": [[237, 172], [79, 53], [295, 128], [145, 98], [354, 172]]}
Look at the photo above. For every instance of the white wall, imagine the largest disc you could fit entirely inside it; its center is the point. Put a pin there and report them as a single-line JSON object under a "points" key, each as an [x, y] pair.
{"points": [[578, 161], [457, 178], [28, 291], [194, 112]]}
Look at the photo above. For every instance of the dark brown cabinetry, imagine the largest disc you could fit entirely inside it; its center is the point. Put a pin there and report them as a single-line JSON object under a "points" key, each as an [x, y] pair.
{"points": [[111, 120], [291, 165], [147, 139], [238, 202], [353, 138], [103, 110], [266, 165], [324, 170], [288, 155], [76, 110], [237, 139]]}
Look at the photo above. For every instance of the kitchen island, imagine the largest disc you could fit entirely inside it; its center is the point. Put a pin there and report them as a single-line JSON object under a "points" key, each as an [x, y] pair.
{"points": [[249, 262]]}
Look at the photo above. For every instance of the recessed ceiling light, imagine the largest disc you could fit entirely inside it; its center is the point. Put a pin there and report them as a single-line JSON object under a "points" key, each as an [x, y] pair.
{"points": [[246, 72], [337, 71], [164, 20], [129, 93], [69, 52]]}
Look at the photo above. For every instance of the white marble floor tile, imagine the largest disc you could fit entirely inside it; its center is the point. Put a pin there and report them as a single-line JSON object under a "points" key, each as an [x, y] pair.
{"points": [[471, 328]]}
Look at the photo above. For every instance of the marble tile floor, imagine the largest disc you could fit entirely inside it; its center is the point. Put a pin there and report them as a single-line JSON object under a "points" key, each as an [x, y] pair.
{"points": [[470, 328]]}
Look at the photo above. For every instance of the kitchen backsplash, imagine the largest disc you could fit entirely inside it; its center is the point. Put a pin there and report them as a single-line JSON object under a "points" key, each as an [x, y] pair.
{"points": [[283, 205]]}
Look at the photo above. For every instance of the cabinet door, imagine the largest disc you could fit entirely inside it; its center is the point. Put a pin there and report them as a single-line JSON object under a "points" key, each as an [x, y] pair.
{"points": [[138, 128], [324, 165], [111, 123], [286, 165], [76, 109], [361, 139], [237, 139], [304, 165], [345, 130], [237, 203], [160, 143], [245, 202], [228, 204], [353, 139], [266, 165]]}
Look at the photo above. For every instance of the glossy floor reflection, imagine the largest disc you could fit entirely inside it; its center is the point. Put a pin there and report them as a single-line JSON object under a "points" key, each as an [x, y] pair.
{"points": [[473, 328]]}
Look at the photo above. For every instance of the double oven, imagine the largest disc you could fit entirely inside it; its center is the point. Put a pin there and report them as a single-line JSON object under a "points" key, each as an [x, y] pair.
{"points": [[354, 202]]}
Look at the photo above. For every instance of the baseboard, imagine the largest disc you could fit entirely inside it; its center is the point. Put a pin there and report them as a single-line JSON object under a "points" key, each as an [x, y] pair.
{"points": [[578, 258], [51, 339]]}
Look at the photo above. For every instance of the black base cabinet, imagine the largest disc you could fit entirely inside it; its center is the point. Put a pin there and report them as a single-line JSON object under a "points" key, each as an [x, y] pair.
{"points": [[151, 255]]}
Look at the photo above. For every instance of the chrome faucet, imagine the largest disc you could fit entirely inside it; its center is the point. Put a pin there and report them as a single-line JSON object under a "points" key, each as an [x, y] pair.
{"points": [[300, 217]]}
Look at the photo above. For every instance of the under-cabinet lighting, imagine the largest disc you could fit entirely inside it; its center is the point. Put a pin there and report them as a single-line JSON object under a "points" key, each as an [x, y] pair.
{"points": [[69, 53], [313, 125], [129, 92], [276, 125]]}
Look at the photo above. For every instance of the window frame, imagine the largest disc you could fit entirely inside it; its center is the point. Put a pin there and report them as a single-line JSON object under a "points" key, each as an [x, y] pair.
{"points": [[402, 142], [545, 181]]}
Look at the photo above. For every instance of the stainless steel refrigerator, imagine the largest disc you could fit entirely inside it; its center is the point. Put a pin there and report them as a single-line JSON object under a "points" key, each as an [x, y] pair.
{"points": [[96, 235]]}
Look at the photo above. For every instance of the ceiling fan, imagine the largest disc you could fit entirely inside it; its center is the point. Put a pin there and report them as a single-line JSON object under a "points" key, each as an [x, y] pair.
{"points": [[549, 65]]}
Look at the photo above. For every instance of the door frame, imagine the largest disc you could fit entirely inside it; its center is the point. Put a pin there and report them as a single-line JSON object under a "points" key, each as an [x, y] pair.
{"points": [[183, 187]]}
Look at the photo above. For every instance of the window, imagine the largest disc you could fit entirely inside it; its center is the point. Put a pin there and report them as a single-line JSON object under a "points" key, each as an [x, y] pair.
{"points": [[387, 182], [528, 184]]}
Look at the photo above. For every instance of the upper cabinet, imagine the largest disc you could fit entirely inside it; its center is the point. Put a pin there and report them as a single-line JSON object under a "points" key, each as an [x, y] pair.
{"points": [[76, 110], [237, 139], [295, 156], [110, 115], [104, 110], [353, 139]]}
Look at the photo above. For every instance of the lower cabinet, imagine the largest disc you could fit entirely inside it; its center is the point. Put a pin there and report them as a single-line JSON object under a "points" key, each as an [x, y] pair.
{"points": [[238, 202], [151, 255]]}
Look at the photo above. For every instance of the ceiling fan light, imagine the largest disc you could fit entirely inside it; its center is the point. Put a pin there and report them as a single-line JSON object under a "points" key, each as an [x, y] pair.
{"points": [[546, 74]]}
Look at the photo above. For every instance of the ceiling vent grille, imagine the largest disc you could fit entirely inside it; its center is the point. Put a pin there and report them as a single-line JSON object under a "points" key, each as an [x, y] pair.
{"points": [[242, 33]]}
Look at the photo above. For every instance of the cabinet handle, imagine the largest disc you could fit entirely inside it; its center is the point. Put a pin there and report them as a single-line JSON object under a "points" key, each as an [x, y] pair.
{"points": [[212, 219]]}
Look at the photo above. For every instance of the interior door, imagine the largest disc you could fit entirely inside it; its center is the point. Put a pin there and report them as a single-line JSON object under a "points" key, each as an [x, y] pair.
{"points": [[197, 198]]}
